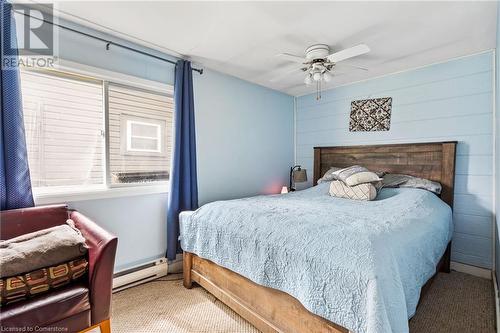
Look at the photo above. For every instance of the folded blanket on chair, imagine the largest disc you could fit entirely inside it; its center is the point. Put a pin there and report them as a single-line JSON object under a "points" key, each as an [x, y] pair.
{"points": [[40, 249]]}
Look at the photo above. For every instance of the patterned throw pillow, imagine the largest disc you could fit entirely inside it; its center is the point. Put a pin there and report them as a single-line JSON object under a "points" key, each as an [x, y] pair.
{"points": [[356, 175], [366, 191], [17, 288]]}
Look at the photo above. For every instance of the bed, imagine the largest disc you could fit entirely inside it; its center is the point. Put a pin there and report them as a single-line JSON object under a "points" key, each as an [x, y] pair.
{"points": [[291, 263]]}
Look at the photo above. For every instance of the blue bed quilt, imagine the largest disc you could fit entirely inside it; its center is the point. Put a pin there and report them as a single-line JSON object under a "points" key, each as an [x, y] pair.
{"points": [[359, 264]]}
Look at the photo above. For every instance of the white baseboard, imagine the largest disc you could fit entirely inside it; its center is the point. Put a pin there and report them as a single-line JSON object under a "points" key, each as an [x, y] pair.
{"points": [[141, 274], [472, 270]]}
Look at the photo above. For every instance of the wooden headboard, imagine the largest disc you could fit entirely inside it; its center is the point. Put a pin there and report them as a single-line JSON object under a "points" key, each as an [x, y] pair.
{"points": [[433, 160]]}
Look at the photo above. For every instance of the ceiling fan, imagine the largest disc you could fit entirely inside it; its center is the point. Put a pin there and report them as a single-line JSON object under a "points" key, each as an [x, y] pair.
{"points": [[319, 62]]}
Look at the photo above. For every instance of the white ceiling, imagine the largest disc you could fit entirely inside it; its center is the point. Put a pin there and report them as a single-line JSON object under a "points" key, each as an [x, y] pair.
{"points": [[242, 38]]}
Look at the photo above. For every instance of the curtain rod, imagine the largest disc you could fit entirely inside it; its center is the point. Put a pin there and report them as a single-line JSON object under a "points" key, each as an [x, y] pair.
{"points": [[108, 42]]}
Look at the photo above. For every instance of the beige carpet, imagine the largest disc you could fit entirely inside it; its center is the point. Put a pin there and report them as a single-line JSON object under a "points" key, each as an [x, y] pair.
{"points": [[456, 302]]}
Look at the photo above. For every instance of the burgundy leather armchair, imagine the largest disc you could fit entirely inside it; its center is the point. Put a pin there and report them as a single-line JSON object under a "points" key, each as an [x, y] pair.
{"points": [[76, 307]]}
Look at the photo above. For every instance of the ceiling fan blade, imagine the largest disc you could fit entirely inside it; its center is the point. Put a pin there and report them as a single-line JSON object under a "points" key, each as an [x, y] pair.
{"points": [[352, 66], [349, 53], [291, 57]]}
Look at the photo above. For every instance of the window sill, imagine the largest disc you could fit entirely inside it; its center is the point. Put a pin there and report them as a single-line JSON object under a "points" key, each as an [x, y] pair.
{"points": [[72, 194]]}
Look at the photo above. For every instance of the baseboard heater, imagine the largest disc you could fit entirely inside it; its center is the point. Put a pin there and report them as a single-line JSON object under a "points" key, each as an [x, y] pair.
{"points": [[140, 274]]}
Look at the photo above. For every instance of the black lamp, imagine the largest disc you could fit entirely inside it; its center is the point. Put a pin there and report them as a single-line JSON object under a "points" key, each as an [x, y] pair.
{"points": [[297, 175]]}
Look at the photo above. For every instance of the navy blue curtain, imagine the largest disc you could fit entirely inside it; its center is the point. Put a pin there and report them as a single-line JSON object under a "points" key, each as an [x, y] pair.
{"points": [[183, 180], [15, 183]]}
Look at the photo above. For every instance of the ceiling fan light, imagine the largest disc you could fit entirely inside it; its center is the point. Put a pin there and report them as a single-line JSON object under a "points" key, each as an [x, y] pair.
{"points": [[317, 76], [308, 80], [327, 76]]}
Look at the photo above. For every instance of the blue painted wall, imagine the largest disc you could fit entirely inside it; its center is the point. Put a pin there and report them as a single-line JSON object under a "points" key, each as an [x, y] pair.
{"points": [[448, 101], [244, 137], [81, 49], [244, 144], [138, 221]]}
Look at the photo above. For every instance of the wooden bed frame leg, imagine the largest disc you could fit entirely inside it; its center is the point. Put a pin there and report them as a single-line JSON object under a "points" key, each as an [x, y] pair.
{"points": [[187, 263]]}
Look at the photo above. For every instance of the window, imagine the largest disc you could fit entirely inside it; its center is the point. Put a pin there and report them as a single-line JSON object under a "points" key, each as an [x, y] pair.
{"points": [[143, 136], [83, 132], [140, 124]]}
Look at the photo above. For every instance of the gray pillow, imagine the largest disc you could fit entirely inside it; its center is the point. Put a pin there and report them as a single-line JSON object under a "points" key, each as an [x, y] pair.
{"points": [[356, 175], [328, 176], [399, 180]]}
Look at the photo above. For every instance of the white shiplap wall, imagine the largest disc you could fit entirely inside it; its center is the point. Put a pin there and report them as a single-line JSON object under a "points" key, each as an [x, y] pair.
{"points": [[447, 101]]}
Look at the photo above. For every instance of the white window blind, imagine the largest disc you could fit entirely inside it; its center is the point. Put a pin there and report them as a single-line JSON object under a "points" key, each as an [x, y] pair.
{"points": [[64, 124], [140, 134]]}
